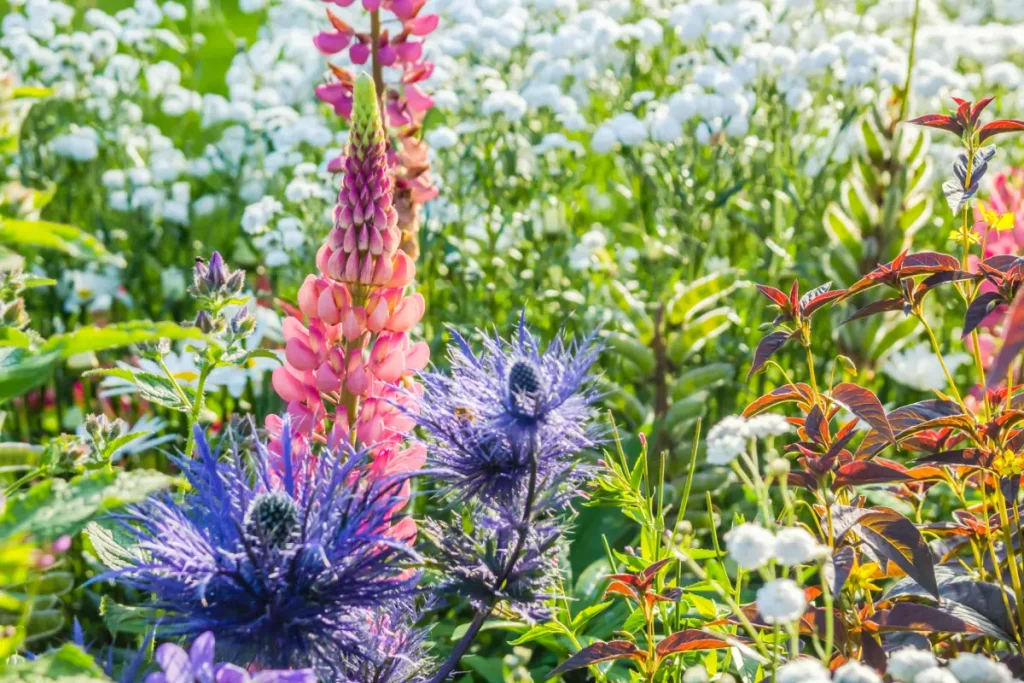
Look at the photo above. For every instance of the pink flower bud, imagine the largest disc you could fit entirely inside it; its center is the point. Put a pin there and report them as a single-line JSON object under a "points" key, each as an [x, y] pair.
{"points": [[330, 43], [379, 317], [308, 293]]}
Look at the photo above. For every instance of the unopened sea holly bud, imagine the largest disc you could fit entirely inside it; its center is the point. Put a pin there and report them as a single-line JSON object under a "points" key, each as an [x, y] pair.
{"points": [[361, 248]]}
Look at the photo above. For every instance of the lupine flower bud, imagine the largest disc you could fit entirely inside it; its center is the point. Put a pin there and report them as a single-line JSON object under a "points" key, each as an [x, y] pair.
{"points": [[365, 235]]}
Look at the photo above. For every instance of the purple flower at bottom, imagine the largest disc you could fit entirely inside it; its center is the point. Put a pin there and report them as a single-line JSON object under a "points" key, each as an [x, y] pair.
{"points": [[197, 665]]}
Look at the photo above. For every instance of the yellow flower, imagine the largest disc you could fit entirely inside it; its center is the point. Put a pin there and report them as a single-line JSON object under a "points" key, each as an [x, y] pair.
{"points": [[862, 578], [995, 221], [1008, 463]]}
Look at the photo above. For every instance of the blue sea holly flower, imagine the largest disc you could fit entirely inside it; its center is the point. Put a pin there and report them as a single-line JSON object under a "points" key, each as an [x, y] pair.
{"points": [[289, 563], [499, 411]]}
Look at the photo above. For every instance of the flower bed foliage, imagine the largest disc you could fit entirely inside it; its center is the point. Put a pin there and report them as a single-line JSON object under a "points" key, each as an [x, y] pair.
{"points": [[411, 341]]}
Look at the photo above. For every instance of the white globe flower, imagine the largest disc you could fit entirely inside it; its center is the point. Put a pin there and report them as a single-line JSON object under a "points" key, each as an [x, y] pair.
{"points": [[803, 671], [906, 663], [935, 675], [604, 140], [974, 668], [855, 672], [726, 440], [796, 545], [442, 138], [781, 601], [750, 546]]}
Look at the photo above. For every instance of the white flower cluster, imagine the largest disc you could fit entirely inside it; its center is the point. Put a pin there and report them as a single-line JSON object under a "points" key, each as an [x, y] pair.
{"points": [[919, 368], [751, 546], [730, 435], [910, 665]]}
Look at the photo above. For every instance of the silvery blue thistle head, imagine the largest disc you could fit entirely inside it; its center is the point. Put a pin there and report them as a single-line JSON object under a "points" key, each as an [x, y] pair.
{"points": [[494, 410], [288, 564]]}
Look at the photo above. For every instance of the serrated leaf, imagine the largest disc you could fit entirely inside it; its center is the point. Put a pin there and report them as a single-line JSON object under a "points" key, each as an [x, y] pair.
{"points": [[152, 387], [56, 507]]}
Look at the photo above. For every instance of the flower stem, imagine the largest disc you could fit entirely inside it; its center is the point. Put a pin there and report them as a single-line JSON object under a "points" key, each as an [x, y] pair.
{"points": [[478, 621], [942, 362]]}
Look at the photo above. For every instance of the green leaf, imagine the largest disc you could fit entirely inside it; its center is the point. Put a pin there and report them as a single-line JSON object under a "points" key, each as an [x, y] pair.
{"points": [[56, 507], [588, 613], [22, 371], [105, 545], [154, 388], [127, 618], [12, 336], [18, 456], [69, 664], [514, 626], [540, 631], [92, 338], [67, 239], [33, 281]]}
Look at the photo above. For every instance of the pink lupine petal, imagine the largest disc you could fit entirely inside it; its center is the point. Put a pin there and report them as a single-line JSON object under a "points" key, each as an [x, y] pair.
{"points": [[417, 357], [327, 381], [287, 385], [387, 55], [403, 9], [331, 43], [407, 313], [421, 26], [293, 327], [359, 53], [409, 51], [371, 5], [404, 530], [379, 317], [404, 270], [357, 381], [392, 368], [353, 325], [308, 295], [418, 101], [299, 355]]}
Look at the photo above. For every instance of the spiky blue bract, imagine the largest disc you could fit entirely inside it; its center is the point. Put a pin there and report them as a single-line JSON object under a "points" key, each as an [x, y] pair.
{"points": [[473, 554], [494, 409], [296, 597]]}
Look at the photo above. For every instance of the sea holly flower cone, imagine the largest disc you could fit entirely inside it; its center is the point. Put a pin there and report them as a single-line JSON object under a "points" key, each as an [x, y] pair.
{"points": [[351, 361]]}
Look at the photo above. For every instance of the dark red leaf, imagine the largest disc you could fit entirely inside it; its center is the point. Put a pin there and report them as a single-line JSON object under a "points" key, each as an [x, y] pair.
{"points": [[978, 108], [905, 418], [843, 437], [927, 262], [1000, 126], [774, 295], [794, 296], [599, 652], [1013, 342], [876, 307], [871, 653], [623, 589], [838, 568], [865, 405], [909, 616], [787, 393], [648, 574], [979, 309], [869, 472], [940, 121], [816, 425], [690, 640], [766, 348], [892, 536], [964, 457], [817, 302], [802, 480]]}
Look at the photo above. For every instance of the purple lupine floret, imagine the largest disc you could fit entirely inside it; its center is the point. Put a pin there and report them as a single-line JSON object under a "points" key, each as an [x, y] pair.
{"points": [[493, 410], [197, 665], [288, 563]]}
